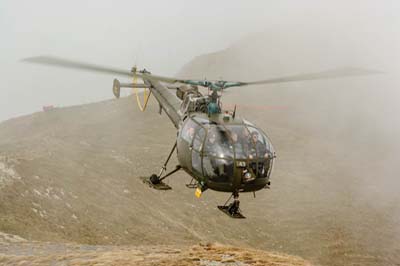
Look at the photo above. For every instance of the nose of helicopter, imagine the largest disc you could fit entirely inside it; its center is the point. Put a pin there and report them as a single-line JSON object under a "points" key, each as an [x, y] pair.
{"points": [[244, 168], [228, 157]]}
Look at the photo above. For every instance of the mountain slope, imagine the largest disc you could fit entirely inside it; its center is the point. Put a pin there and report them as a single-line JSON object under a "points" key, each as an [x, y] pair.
{"points": [[73, 174]]}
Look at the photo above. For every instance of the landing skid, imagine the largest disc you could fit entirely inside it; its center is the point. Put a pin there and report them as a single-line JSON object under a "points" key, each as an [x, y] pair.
{"points": [[159, 186], [156, 181], [232, 209], [237, 215]]}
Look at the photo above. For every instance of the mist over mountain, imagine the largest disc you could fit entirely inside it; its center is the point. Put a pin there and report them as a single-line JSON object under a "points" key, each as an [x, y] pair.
{"points": [[73, 174], [358, 114], [355, 117]]}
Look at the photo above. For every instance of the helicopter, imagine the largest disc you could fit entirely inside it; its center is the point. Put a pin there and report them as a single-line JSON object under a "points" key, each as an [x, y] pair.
{"points": [[218, 149]]}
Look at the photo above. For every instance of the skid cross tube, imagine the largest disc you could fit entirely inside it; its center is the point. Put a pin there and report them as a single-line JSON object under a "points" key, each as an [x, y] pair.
{"points": [[178, 167], [155, 180]]}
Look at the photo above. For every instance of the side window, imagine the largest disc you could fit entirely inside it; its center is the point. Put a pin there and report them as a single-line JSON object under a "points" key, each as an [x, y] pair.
{"points": [[196, 162], [253, 133], [188, 130], [257, 144], [198, 139], [268, 143]]}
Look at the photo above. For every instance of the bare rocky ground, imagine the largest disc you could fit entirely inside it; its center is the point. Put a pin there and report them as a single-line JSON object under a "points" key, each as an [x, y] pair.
{"points": [[16, 251]]}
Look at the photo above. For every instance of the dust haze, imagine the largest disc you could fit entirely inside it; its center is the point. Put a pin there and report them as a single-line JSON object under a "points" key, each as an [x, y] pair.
{"points": [[71, 175]]}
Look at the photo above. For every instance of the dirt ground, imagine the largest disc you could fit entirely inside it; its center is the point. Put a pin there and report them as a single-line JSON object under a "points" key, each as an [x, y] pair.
{"points": [[22, 252]]}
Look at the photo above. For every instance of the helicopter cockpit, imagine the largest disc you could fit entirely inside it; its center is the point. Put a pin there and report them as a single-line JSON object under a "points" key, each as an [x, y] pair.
{"points": [[222, 151]]}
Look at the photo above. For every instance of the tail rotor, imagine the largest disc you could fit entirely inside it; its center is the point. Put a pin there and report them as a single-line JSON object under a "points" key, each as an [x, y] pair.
{"points": [[135, 89]]}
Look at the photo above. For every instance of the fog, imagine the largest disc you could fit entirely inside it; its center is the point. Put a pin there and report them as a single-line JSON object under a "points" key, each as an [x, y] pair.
{"points": [[358, 116], [352, 124], [159, 35]]}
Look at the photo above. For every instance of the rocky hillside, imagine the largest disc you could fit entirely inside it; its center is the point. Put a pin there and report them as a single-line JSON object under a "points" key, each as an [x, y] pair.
{"points": [[73, 174], [39, 253]]}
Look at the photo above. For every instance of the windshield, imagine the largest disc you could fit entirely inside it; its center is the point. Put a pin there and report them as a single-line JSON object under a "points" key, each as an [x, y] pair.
{"points": [[236, 140], [218, 149], [217, 143]]}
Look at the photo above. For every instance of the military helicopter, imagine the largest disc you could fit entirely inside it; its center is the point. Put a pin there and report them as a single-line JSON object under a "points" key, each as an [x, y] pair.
{"points": [[218, 149]]}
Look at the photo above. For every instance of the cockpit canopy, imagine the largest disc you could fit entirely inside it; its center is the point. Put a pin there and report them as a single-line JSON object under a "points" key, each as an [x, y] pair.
{"points": [[216, 148]]}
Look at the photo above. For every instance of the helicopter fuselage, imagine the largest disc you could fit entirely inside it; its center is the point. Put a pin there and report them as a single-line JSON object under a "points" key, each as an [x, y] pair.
{"points": [[221, 151]]}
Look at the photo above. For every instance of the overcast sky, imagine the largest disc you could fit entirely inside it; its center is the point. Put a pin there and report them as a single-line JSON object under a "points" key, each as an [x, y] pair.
{"points": [[158, 35]]}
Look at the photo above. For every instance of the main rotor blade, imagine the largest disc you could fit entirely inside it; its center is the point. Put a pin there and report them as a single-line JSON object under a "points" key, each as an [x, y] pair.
{"points": [[66, 63], [71, 64], [330, 74]]}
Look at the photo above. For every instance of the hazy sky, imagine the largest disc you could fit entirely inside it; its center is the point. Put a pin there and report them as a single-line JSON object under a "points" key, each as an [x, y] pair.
{"points": [[158, 35]]}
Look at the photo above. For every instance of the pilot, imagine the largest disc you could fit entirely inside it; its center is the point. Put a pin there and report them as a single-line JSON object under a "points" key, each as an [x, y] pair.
{"points": [[234, 145], [245, 141], [257, 147], [214, 167], [235, 137], [258, 150], [235, 142], [245, 135], [211, 144]]}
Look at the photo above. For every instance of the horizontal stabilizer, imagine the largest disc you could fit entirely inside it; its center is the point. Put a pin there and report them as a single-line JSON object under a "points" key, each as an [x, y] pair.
{"points": [[117, 87], [132, 85]]}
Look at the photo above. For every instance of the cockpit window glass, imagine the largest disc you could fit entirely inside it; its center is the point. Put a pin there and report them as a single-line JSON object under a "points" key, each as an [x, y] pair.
{"points": [[184, 105], [217, 142], [239, 140], [196, 161], [228, 141], [260, 147], [260, 153], [189, 130], [198, 139], [224, 144], [268, 144]]}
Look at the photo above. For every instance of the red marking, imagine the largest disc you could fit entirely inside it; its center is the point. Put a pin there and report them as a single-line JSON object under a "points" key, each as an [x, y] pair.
{"points": [[47, 108], [256, 107]]}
